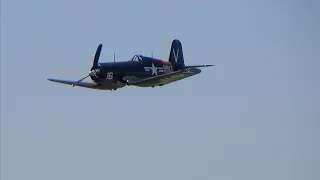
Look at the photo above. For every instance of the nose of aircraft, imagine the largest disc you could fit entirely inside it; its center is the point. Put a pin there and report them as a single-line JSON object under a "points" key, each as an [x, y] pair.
{"points": [[106, 67]]}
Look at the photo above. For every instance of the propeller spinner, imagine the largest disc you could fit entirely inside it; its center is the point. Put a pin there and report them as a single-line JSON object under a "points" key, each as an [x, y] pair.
{"points": [[95, 70]]}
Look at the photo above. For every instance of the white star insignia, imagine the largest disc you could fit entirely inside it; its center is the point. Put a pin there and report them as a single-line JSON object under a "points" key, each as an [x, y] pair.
{"points": [[154, 69]]}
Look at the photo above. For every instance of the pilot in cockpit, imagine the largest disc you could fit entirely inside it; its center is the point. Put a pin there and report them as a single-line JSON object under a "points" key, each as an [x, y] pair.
{"points": [[137, 58]]}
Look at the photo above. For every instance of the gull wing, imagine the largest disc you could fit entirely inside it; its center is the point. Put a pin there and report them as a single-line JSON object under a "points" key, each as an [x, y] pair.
{"points": [[166, 78], [75, 83]]}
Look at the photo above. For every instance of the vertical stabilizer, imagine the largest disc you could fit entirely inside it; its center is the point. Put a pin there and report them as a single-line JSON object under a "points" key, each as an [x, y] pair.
{"points": [[176, 54]]}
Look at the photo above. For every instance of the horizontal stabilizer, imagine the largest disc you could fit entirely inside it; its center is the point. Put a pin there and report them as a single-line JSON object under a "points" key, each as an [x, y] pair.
{"points": [[198, 66]]}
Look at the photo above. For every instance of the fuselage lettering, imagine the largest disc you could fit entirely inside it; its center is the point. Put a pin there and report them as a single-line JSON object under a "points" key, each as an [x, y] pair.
{"points": [[109, 75], [167, 68]]}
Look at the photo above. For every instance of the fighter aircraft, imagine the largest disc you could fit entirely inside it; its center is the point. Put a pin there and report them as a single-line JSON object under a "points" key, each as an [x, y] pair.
{"points": [[141, 71]]}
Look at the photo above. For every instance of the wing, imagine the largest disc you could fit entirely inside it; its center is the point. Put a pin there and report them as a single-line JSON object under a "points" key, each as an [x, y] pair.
{"points": [[166, 78], [74, 83]]}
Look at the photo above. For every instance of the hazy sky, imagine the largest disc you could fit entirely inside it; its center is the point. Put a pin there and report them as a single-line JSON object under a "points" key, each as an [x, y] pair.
{"points": [[254, 116]]}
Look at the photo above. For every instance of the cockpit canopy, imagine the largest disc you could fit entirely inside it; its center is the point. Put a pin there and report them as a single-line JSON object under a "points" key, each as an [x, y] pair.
{"points": [[137, 58]]}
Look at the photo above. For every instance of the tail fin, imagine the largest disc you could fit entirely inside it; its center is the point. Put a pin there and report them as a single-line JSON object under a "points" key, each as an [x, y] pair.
{"points": [[176, 55]]}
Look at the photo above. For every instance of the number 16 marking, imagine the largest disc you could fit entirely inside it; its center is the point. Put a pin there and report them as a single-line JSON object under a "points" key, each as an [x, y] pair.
{"points": [[110, 75]]}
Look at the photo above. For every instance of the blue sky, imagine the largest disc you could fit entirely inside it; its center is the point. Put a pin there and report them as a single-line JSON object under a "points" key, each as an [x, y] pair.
{"points": [[255, 115]]}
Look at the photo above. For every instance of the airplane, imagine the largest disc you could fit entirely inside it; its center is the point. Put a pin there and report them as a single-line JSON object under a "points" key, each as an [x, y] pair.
{"points": [[140, 71]]}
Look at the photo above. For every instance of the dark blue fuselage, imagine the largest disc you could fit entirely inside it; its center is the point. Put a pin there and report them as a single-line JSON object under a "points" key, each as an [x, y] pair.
{"points": [[138, 67]]}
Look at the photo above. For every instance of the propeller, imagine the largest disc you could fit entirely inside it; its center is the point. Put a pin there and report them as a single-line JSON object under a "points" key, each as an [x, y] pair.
{"points": [[94, 71], [96, 57]]}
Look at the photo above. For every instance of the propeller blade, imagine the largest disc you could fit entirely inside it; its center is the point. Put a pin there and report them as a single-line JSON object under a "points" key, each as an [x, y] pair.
{"points": [[94, 71], [82, 79], [91, 73], [96, 56]]}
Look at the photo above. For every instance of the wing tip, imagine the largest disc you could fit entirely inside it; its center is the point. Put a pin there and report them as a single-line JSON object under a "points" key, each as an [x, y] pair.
{"points": [[54, 80], [61, 81], [51, 79]]}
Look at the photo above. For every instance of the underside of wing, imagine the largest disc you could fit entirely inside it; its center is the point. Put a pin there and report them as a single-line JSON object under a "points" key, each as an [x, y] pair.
{"points": [[75, 83], [166, 78]]}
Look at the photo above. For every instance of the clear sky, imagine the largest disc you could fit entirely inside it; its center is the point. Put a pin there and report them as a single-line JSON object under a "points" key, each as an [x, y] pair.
{"points": [[255, 115]]}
